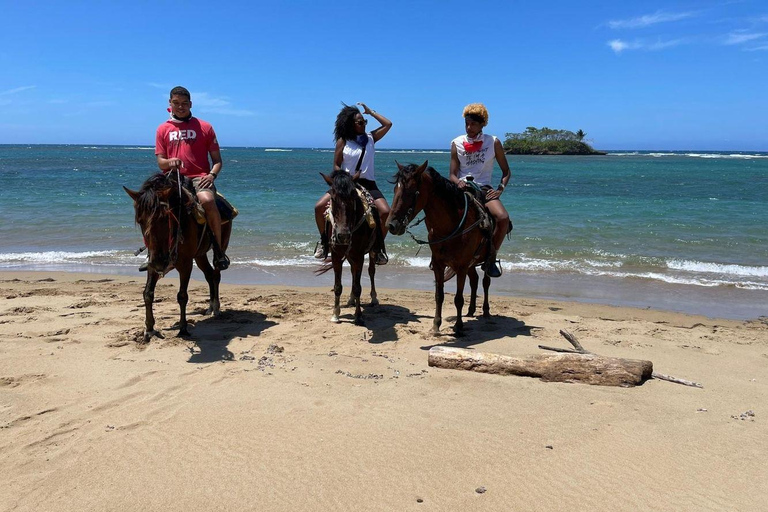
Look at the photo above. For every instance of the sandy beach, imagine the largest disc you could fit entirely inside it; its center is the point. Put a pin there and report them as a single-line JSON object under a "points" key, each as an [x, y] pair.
{"points": [[272, 407]]}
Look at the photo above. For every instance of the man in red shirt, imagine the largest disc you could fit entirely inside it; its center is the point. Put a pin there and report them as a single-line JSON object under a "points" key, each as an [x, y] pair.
{"points": [[184, 143]]}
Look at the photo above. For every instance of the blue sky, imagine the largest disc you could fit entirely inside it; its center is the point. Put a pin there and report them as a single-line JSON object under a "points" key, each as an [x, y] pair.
{"points": [[633, 75]]}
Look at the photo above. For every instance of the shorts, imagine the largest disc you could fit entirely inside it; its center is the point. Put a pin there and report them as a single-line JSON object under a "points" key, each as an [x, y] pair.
{"points": [[196, 184], [371, 187]]}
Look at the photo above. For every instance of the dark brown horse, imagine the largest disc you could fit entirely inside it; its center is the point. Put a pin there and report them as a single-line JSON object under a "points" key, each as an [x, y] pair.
{"points": [[164, 211], [455, 236], [351, 238]]}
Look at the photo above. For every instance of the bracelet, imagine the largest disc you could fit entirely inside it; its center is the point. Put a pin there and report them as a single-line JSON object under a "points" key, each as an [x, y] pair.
{"points": [[502, 186], [214, 174]]}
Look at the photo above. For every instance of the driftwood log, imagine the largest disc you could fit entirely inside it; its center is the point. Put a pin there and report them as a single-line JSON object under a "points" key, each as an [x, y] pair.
{"points": [[578, 349], [586, 368]]}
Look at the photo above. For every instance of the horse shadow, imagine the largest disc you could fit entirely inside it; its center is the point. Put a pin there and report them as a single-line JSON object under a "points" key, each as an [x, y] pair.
{"points": [[382, 319], [212, 335], [479, 330]]}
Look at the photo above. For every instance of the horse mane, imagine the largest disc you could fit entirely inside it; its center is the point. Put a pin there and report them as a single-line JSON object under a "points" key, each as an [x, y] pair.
{"points": [[148, 203], [442, 186], [343, 184]]}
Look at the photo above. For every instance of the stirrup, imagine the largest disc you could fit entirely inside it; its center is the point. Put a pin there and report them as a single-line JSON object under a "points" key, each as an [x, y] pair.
{"points": [[381, 258], [320, 251], [144, 266], [221, 262], [492, 268]]}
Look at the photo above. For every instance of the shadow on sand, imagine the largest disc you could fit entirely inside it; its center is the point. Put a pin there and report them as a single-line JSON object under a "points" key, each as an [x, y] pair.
{"points": [[478, 330], [213, 334]]}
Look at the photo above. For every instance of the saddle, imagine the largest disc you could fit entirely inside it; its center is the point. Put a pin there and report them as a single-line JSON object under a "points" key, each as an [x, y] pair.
{"points": [[226, 209], [487, 224], [369, 208]]}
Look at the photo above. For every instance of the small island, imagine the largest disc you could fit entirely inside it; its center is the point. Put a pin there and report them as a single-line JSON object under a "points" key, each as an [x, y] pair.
{"points": [[546, 141]]}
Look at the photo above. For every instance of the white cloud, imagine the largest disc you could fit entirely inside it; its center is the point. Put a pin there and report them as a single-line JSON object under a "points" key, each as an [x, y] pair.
{"points": [[650, 19], [618, 46], [17, 89], [741, 36], [160, 86], [757, 48], [204, 102]]}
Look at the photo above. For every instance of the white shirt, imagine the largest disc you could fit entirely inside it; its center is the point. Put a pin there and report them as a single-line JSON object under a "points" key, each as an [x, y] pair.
{"points": [[477, 163], [351, 156]]}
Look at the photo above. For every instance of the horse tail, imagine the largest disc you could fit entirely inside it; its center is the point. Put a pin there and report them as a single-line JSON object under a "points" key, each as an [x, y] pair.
{"points": [[325, 267], [322, 269]]}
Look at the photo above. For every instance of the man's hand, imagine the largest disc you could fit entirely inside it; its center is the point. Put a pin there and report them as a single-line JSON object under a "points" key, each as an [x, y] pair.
{"points": [[207, 181], [461, 184], [175, 163]]}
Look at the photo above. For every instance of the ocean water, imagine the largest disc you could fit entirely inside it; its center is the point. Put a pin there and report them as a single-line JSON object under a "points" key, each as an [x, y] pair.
{"points": [[683, 231]]}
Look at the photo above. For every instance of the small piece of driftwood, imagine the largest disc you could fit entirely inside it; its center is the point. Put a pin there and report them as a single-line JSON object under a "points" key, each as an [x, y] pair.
{"points": [[578, 349], [585, 368]]}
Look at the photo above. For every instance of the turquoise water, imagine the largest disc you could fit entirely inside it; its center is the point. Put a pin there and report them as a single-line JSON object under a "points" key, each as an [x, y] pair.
{"points": [[683, 230]]}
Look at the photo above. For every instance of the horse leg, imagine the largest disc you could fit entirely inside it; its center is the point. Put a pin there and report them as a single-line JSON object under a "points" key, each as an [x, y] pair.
{"points": [[458, 301], [213, 278], [439, 270], [149, 298], [486, 287], [337, 288], [357, 287], [371, 274], [473, 280], [185, 271]]}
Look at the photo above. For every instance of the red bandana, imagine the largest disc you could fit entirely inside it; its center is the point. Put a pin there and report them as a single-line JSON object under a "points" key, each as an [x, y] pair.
{"points": [[471, 147]]}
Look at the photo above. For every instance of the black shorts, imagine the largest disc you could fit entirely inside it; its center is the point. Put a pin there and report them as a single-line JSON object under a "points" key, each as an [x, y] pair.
{"points": [[371, 187]]}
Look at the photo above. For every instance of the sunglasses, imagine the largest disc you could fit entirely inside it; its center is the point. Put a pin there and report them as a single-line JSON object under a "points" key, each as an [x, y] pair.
{"points": [[362, 123]]}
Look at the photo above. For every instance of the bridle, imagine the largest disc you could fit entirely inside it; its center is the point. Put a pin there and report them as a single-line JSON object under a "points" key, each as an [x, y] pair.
{"points": [[457, 232], [175, 237], [357, 199]]}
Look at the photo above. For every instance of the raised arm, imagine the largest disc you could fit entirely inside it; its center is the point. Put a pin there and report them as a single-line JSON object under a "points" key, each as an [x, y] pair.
{"points": [[382, 130]]}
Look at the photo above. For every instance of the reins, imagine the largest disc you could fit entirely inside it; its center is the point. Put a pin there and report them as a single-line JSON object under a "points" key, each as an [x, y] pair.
{"points": [[455, 232]]}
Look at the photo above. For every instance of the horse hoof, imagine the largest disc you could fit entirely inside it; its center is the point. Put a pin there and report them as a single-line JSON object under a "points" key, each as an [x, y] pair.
{"points": [[458, 328], [374, 302], [335, 319], [359, 321], [471, 312], [184, 333]]}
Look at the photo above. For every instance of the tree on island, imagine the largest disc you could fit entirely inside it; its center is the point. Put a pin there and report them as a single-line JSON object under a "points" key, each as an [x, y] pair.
{"points": [[547, 141]]}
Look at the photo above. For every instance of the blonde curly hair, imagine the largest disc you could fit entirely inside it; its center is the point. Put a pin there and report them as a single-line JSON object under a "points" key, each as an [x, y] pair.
{"points": [[476, 109]]}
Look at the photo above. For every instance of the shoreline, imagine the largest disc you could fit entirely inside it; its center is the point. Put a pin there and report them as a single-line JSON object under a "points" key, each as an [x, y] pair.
{"points": [[272, 407], [712, 302]]}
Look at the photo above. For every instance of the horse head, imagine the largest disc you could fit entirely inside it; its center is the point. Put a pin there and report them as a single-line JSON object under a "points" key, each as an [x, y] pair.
{"points": [[346, 207], [160, 211], [405, 203]]}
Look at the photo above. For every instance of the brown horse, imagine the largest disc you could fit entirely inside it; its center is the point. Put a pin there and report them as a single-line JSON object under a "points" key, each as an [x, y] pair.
{"points": [[164, 211], [455, 236], [352, 237]]}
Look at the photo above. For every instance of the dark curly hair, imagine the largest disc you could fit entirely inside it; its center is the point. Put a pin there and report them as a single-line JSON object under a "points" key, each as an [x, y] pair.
{"points": [[345, 123]]}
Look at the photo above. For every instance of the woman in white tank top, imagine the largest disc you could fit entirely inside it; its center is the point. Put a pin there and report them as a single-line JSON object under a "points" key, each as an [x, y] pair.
{"points": [[473, 155], [351, 137]]}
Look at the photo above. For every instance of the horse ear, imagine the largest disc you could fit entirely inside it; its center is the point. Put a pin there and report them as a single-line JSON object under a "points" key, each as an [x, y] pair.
{"points": [[134, 195], [356, 176], [327, 179], [420, 169], [399, 167]]}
